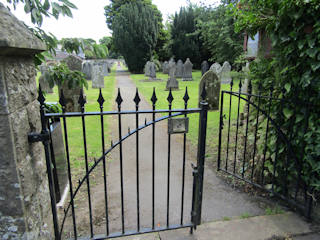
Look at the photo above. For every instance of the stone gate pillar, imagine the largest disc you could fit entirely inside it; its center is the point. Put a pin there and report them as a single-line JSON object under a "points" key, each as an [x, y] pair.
{"points": [[25, 211]]}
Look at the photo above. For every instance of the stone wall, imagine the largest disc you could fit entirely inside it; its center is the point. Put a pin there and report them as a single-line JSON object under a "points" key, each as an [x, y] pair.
{"points": [[25, 210]]}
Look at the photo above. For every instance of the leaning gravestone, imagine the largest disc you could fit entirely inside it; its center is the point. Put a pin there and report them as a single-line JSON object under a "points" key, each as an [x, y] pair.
{"points": [[187, 70], [212, 85], [152, 71], [44, 79], [179, 71], [97, 76], [172, 82], [165, 68], [147, 69], [87, 69], [225, 73], [72, 95], [204, 67]]}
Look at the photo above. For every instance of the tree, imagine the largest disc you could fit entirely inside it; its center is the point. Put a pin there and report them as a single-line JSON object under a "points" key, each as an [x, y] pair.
{"points": [[113, 9], [184, 38], [135, 31], [109, 42], [216, 29]]}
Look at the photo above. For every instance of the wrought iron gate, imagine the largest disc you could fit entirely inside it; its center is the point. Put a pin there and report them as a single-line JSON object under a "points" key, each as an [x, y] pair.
{"points": [[256, 149], [198, 170]]}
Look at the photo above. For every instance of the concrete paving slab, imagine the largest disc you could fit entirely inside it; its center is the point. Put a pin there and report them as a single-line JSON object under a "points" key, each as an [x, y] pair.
{"points": [[149, 236]]}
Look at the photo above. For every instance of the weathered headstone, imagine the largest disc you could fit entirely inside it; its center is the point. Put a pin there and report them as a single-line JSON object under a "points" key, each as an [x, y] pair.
{"points": [[74, 63], [179, 70], [204, 67], [212, 85], [245, 83], [152, 71], [72, 95], [147, 69], [216, 68], [44, 79], [172, 82], [187, 70], [97, 76], [165, 68], [225, 73], [105, 71], [87, 69]]}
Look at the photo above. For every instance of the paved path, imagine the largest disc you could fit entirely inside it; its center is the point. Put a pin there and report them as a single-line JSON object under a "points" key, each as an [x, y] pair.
{"points": [[220, 200]]}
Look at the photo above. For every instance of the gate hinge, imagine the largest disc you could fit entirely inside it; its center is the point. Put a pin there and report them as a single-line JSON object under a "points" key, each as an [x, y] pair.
{"points": [[38, 137]]}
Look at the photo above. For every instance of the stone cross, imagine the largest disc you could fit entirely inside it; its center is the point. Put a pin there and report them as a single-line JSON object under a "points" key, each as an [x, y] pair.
{"points": [[97, 76], [179, 70], [225, 73], [172, 81], [212, 85], [187, 70], [204, 67]]}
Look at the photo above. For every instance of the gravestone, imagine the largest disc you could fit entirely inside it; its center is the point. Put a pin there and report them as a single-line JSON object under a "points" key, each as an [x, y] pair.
{"points": [[245, 83], [172, 81], [105, 71], [179, 70], [97, 76], [204, 67], [187, 70], [44, 79], [87, 69], [152, 71], [212, 85], [226, 73], [72, 95], [147, 69], [216, 68], [165, 68]]}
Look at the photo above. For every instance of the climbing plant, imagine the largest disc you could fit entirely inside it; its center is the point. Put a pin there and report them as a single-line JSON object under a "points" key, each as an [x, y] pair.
{"points": [[293, 71]]}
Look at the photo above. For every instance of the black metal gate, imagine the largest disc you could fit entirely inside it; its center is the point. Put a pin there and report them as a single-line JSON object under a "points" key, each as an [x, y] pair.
{"points": [[172, 114], [255, 148]]}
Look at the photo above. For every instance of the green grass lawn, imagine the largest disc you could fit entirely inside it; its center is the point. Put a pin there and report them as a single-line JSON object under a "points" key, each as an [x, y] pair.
{"points": [[93, 125], [146, 89]]}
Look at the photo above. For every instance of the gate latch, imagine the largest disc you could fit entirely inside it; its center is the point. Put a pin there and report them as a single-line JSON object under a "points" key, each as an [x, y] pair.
{"points": [[38, 137]]}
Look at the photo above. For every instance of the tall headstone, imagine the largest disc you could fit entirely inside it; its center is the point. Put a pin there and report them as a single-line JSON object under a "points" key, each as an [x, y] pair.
{"points": [[212, 85], [226, 73], [72, 95], [97, 76], [147, 69], [152, 71], [204, 67], [165, 68], [179, 71], [172, 81], [245, 83], [25, 209], [187, 70], [105, 71], [44, 79], [87, 69]]}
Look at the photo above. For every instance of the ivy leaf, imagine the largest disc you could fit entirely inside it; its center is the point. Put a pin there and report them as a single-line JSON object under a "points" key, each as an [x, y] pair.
{"points": [[287, 86], [287, 113], [315, 66], [312, 52]]}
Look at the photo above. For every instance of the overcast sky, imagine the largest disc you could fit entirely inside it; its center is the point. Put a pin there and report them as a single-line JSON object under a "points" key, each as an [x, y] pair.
{"points": [[89, 21]]}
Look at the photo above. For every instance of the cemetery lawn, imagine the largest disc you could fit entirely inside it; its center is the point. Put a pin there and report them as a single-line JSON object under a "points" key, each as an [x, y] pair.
{"points": [[93, 125], [146, 89]]}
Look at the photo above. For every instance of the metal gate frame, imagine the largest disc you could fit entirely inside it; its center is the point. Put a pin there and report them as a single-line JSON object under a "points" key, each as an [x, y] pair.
{"points": [[198, 171], [289, 195]]}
